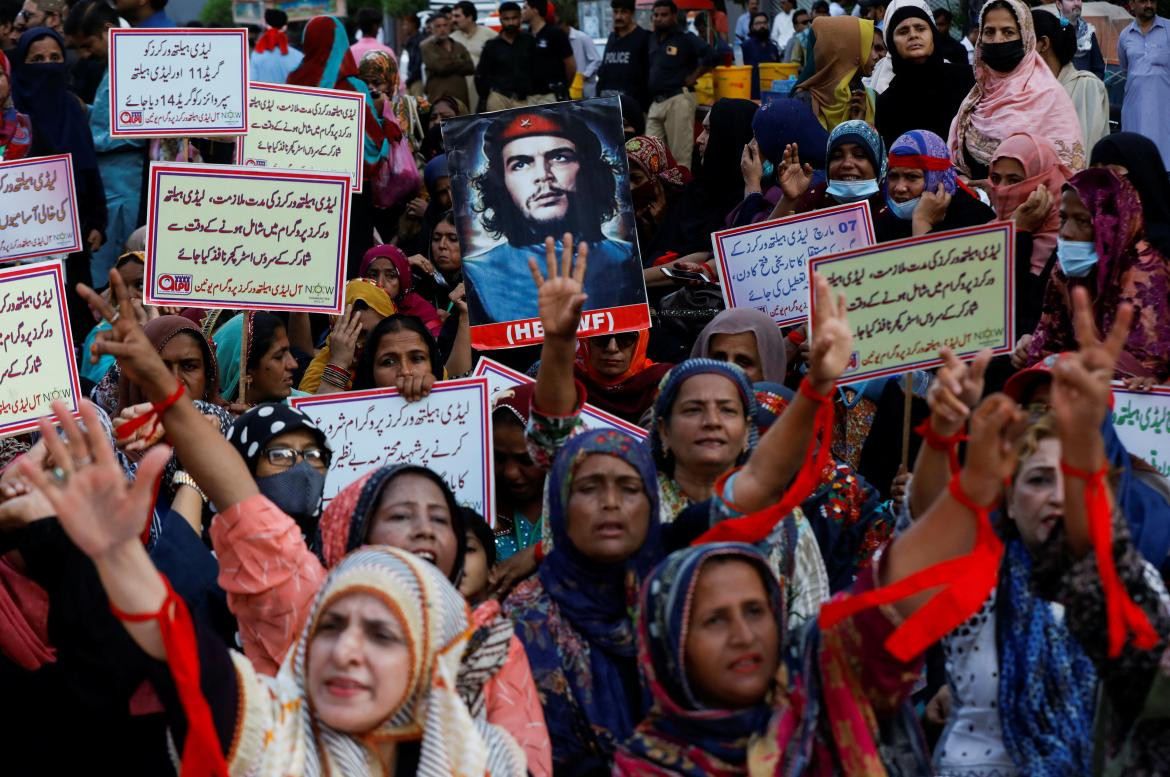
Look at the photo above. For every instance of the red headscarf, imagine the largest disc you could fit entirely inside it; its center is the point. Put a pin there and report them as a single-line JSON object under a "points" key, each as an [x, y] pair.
{"points": [[409, 303]]}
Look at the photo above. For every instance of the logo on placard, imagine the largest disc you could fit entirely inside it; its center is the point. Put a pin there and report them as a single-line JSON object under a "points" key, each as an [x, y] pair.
{"points": [[256, 163], [854, 361], [130, 117], [174, 284]]}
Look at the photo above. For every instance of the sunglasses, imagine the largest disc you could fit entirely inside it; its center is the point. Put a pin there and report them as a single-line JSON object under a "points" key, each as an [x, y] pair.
{"points": [[624, 340]]}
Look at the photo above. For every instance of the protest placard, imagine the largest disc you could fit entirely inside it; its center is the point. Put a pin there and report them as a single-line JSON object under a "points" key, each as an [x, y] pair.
{"points": [[37, 366], [1142, 421], [178, 82], [304, 128], [909, 298], [449, 431], [252, 11], [521, 175], [37, 196], [501, 378], [233, 237], [765, 265]]}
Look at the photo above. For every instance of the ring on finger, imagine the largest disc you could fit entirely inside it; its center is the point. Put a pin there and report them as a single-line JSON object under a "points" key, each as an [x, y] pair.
{"points": [[84, 461], [60, 474]]}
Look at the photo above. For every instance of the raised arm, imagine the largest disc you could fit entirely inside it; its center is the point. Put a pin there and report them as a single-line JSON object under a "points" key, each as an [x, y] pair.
{"points": [[781, 451], [954, 392], [560, 298], [210, 459]]}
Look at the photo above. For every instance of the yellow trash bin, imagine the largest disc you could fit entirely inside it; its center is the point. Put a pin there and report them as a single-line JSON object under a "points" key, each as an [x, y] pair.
{"points": [[734, 81], [776, 71], [705, 89]]}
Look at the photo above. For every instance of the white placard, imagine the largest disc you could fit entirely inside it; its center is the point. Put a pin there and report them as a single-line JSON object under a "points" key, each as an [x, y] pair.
{"points": [[1142, 421], [449, 432], [38, 203], [501, 378], [765, 265], [191, 82]]}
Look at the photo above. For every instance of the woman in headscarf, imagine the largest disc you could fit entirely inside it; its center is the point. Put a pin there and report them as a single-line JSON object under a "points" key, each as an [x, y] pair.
{"points": [[15, 127], [617, 375], [716, 188], [1014, 92], [1056, 42], [1020, 166], [332, 368], [258, 342], [59, 126], [1134, 157], [923, 194], [711, 635], [379, 70], [519, 479], [1103, 248], [777, 124], [573, 618], [446, 107], [856, 167], [747, 338], [388, 267], [927, 90], [329, 64], [842, 53], [656, 181]]}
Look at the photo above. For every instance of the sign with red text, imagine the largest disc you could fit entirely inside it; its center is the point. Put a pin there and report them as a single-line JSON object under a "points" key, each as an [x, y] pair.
{"points": [[522, 175], [37, 200], [302, 128], [909, 298], [765, 265], [449, 432], [501, 378], [233, 237], [37, 365], [190, 82], [1142, 421]]}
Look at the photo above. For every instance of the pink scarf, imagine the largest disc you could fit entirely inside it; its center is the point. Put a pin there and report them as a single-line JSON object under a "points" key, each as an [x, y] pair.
{"points": [[1042, 166], [1028, 99], [24, 619]]}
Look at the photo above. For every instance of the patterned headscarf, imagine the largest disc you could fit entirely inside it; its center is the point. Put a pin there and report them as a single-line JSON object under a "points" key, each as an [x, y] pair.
{"points": [[592, 606], [1117, 220], [345, 523], [863, 134], [672, 382], [655, 159], [681, 735], [279, 733], [923, 150], [252, 430]]}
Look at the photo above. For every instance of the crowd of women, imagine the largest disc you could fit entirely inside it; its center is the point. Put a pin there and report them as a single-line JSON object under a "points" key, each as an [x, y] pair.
{"points": [[758, 588]]}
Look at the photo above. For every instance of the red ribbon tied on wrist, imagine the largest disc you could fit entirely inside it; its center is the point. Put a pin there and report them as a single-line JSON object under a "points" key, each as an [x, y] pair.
{"points": [[1122, 615], [755, 527], [940, 443], [127, 430], [202, 753], [966, 581]]}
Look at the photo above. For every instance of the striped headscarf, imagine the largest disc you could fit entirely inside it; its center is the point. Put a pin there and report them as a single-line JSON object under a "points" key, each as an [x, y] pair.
{"points": [[279, 733], [863, 134]]}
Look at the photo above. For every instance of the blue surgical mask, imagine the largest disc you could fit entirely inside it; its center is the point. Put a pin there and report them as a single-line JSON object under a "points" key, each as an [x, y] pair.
{"points": [[903, 210], [852, 191], [1076, 257]]}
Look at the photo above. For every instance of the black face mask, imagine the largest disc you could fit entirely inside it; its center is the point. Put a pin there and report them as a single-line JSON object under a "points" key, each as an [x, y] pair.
{"points": [[297, 491], [1003, 57]]}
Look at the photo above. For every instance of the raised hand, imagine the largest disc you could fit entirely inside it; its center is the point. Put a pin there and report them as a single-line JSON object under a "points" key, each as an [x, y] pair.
{"points": [[1033, 212], [956, 390], [1099, 355], [931, 210], [991, 449], [126, 342], [794, 177], [343, 338], [98, 507], [561, 295], [751, 165], [832, 339]]}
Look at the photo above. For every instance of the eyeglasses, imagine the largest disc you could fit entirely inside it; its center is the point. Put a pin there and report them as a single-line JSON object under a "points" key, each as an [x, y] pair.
{"points": [[285, 458], [624, 340]]}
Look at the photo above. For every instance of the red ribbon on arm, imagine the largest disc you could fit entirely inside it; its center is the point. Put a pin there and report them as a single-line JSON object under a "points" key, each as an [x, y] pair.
{"points": [[966, 582], [1122, 615], [202, 754], [755, 527], [941, 443], [127, 430]]}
